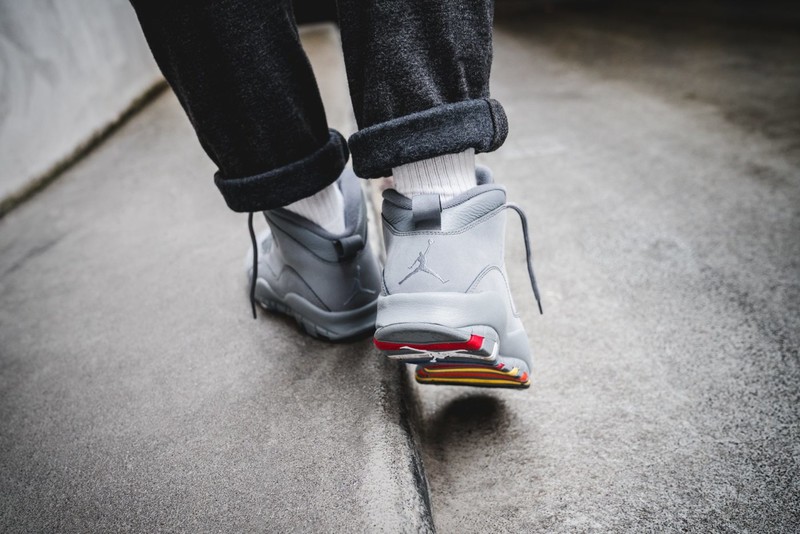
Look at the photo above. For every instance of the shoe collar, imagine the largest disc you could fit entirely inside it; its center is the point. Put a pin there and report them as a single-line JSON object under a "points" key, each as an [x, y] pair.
{"points": [[355, 217], [483, 179], [322, 243]]}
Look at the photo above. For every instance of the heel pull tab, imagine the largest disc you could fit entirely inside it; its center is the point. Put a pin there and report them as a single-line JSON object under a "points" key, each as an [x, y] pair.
{"points": [[348, 247], [426, 212]]}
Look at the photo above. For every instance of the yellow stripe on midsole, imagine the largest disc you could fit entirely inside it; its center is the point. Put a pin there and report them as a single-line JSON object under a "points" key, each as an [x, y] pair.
{"points": [[475, 381], [471, 370]]}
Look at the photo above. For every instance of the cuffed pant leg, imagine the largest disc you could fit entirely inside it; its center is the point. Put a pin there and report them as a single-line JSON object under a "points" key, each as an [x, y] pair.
{"points": [[286, 184], [419, 80], [446, 129], [240, 73]]}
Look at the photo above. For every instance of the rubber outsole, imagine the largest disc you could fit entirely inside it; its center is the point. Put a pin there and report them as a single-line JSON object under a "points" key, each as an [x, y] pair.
{"points": [[313, 329], [498, 375], [348, 325], [464, 356]]}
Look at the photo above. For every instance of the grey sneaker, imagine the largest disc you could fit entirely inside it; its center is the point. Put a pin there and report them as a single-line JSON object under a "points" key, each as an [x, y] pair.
{"points": [[445, 303], [328, 283]]}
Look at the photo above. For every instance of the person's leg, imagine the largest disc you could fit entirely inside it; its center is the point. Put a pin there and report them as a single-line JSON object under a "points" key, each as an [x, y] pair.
{"points": [[239, 71], [419, 77], [419, 81]]}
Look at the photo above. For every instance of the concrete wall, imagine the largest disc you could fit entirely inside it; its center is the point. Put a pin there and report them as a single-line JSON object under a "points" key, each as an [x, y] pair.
{"points": [[67, 70]]}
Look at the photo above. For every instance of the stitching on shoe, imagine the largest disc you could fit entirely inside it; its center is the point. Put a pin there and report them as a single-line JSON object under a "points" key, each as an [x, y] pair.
{"points": [[483, 274], [468, 227]]}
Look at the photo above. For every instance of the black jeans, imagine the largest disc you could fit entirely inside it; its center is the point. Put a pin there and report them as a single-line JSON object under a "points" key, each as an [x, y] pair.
{"points": [[418, 72]]}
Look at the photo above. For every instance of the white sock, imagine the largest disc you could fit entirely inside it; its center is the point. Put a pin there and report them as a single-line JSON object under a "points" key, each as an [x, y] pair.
{"points": [[325, 208], [448, 175]]}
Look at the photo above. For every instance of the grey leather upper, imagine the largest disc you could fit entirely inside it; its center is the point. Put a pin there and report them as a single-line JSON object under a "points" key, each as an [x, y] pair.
{"points": [[334, 272], [448, 267], [448, 256]]}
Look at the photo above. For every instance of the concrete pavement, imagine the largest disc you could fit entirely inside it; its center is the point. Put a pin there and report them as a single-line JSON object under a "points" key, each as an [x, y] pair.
{"points": [[138, 394], [658, 164], [658, 161]]}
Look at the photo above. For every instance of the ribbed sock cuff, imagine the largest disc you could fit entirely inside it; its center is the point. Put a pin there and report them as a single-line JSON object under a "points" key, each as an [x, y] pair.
{"points": [[447, 176], [324, 208]]}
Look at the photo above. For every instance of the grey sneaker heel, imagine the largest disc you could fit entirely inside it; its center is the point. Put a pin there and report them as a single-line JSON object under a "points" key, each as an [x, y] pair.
{"points": [[445, 303], [328, 283]]}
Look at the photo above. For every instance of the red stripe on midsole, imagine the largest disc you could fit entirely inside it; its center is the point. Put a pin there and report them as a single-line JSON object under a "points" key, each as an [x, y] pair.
{"points": [[475, 343]]}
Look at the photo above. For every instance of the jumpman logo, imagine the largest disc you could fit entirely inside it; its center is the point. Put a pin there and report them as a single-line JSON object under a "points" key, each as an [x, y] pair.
{"points": [[357, 287], [422, 267]]}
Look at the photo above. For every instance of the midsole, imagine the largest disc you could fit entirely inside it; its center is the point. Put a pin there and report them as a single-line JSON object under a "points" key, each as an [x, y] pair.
{"points": [[455, 310], [343, 322], [474, 343]]}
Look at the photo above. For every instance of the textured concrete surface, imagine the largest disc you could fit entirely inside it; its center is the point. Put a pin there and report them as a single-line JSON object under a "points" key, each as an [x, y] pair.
{"points": [[68, 69], [658, 161], [136, 391], [657, 157]]}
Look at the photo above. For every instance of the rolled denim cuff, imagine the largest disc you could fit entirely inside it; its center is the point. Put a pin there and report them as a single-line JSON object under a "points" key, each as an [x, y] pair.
{"points": [[284, 185], [446, 129]]}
